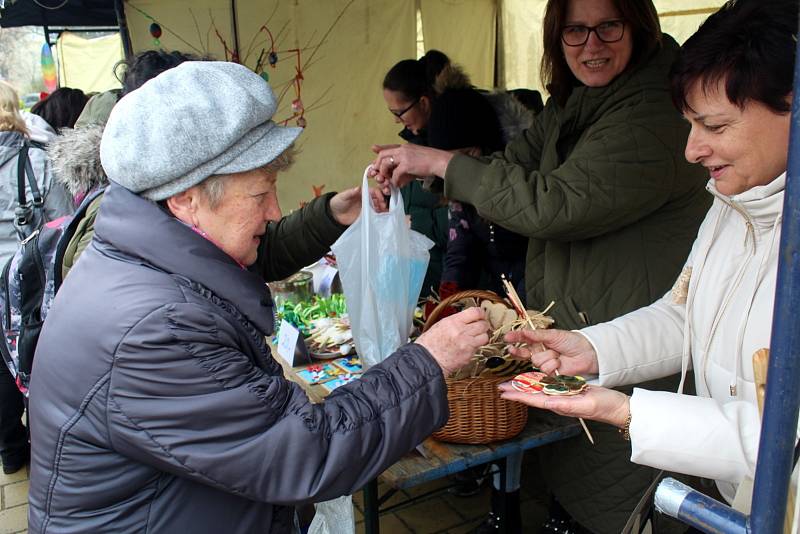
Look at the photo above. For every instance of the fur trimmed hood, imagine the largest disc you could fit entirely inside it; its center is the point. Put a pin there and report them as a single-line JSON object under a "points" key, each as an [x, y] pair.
{"points": [[513, 116], [75, 159], [452, 76]]}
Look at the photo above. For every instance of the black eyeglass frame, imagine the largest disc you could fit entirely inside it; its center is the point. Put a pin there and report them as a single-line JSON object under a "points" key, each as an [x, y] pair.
{"points": [[399, 114], [591, 29]]}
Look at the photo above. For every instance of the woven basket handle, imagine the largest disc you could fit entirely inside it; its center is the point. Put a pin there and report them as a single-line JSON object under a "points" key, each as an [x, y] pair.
{"points": [[480, 294]]}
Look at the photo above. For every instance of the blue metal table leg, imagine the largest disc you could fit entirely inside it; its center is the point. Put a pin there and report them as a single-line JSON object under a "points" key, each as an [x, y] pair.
{"points": [[513, 471]]}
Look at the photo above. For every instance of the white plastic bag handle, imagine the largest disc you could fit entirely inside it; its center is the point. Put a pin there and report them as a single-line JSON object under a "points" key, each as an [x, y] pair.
{"points": [[366, 200]]}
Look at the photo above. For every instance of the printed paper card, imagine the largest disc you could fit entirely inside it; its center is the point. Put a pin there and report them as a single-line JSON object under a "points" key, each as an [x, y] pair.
{"points": [[339, 381], [350, 364], [291, 346], [317, 374]]}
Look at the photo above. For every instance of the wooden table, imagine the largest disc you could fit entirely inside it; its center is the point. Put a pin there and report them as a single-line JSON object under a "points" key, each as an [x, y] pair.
{"points": [[434, 459], [443, 459]]}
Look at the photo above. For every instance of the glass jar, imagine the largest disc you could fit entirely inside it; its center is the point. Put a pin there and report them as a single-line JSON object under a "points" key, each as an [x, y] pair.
{"points": [[298, 287]]}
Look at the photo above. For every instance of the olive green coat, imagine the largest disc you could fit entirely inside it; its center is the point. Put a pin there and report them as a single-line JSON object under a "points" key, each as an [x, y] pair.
{"points": [[603, 191], [611, 207]]}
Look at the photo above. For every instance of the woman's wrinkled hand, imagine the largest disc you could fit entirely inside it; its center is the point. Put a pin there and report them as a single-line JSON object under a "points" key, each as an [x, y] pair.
{"points": [[453, 341], [398, 165], [566, 352], [346, 205], [595, 403]]}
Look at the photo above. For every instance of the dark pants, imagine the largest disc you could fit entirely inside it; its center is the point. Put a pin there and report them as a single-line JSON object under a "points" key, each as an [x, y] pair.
{"points": [[13, 436]]}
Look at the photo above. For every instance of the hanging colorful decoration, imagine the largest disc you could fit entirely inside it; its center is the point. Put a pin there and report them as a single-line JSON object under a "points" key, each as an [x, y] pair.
{"points": [[155, 31], [297, 105], [48, 69]]}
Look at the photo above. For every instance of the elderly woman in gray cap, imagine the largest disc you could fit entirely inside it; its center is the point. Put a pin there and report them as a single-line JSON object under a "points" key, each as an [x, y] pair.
{"points": [[155, 403]]}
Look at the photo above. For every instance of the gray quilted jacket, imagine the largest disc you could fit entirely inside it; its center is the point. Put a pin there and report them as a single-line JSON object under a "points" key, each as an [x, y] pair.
{"points": [[156, 406]]}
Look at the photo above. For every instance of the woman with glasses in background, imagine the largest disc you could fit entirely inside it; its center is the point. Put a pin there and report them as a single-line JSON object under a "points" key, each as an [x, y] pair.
{"points": [[600, 187], [408, 89]]}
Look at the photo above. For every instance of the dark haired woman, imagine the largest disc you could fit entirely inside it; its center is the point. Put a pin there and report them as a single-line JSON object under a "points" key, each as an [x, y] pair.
{"points": [[62, 108], [733, 82], [408, 89], [610, 206], [149, 64]]}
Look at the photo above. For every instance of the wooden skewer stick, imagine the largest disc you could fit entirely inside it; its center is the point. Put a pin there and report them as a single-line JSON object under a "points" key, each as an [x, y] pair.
{"points": [[517, 303], [515, 300], [586, 430]]}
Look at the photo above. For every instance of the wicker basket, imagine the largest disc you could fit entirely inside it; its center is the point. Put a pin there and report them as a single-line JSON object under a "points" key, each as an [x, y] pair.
{"points": [[477, 413]]}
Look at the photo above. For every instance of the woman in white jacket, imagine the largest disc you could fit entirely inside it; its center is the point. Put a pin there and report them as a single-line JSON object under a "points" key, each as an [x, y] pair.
{"points": [[733, 83]]}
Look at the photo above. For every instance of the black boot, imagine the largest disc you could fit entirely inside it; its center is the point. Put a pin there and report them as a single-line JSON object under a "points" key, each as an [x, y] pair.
{"points": [[14, 449], [560, 522], [505, 515]]}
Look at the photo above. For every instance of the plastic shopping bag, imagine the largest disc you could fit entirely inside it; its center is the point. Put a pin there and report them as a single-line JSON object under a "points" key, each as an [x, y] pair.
{"points": [[334, 517], [382, 264]]}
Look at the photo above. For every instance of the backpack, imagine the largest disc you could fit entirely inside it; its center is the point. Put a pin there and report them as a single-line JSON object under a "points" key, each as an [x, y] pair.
{"points": [[28, 285]]}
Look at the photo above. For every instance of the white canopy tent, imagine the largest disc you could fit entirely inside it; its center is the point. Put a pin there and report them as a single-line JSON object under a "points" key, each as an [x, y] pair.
{"points": [[346, 47]]}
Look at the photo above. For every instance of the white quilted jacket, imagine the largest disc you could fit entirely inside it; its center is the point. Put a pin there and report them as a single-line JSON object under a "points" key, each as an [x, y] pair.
{"points": [[717, 315]]}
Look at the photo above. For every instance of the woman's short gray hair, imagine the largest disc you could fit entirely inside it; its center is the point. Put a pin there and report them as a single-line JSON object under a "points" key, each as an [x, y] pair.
{"points": [[213, 187]]}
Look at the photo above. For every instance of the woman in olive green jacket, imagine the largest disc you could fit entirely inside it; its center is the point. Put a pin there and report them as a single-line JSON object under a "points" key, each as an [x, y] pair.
{"points": [[600, 186]]}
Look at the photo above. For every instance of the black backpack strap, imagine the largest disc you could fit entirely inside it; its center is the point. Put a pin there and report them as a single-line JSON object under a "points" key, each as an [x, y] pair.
{"points": [[21, 164], [38, 201], [24, 168], [69, 233], [24, 210]]}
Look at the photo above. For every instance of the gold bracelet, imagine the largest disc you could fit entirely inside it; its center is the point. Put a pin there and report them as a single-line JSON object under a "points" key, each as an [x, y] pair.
{"points": [[625, 430]]}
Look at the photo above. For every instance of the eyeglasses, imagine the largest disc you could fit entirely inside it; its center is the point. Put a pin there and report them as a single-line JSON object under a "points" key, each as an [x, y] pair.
{"points": [[608, 32], [399, 114]]}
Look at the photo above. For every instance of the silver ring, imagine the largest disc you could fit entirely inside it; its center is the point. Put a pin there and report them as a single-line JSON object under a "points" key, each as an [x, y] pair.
{"points": [[391, 160]]}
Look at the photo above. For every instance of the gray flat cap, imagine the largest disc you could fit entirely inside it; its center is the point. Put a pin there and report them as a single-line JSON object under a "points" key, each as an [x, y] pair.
{"points": [[190, 122]]}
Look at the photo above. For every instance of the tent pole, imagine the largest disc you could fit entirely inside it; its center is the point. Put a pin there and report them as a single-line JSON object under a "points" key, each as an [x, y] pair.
{"points": [[122, 22], [782, 400]]}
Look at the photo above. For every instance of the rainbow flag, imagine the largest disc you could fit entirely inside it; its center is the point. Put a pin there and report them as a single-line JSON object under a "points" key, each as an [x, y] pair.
{"points": [[48, 69]]}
